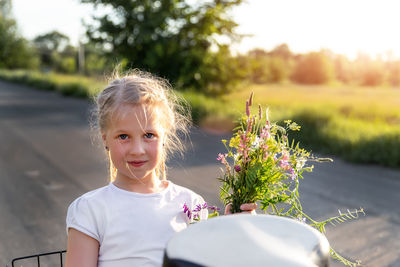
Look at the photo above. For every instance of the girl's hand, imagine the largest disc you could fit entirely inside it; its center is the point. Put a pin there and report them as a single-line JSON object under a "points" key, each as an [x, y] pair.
{"points": [[246, 208]]}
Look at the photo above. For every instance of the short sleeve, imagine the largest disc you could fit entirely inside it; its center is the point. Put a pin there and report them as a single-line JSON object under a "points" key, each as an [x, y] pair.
{"points": [[82, 216]]}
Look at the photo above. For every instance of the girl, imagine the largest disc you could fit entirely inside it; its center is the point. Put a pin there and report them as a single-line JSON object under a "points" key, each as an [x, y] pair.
{"points": [[129, 221]]}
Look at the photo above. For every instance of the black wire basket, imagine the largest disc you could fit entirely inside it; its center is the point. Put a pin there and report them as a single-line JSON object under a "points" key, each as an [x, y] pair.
{"points": [[55, 258]]}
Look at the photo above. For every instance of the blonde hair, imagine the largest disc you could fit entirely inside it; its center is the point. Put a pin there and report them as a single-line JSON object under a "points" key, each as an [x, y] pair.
{"points": [[141, 88]]}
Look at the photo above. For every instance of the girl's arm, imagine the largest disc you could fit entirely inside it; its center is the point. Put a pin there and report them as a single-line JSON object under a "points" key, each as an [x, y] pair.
{"points": [[82, 250]]}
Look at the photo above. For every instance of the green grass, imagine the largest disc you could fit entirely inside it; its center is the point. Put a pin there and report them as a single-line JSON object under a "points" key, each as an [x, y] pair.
{"points": [[359, 124], [74, 85]]}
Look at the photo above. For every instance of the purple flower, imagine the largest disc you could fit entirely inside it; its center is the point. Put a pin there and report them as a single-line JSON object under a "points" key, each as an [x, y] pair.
{"points": [[237, 168], [195, 213], [198, 208], [187, 211], [185, 208], [215, 208]]}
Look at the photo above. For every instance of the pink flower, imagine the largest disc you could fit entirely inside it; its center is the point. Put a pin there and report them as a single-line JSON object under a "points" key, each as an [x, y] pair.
{"points": [[284, 162], [266, 154], [247, 109], [251, 99], [285, 156], [293, 174], [284, 165], [221, 157], [250, 121], [264, 133], [267, 125], [243, 147]]}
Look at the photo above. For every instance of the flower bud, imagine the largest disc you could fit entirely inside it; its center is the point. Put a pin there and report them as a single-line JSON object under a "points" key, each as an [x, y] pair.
{"points": [[247, 109]]}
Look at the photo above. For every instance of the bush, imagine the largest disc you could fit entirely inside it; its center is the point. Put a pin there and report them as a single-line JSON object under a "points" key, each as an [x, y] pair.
{"points": [[73, 89], [47, 82], [67, 65]]}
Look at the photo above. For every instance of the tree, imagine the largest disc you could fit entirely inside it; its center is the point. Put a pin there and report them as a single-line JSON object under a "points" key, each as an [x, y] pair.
{"points": [[343, 69], [313, 68], [394, 73], [95, 60], [278, 69], [52, 41], [282, 51], [56, 52], [258, 66], [50, 46], [15, 51], [168, 37], [267, 67]]}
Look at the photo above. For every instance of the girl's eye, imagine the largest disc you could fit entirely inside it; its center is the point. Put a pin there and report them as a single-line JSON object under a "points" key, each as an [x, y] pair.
{"points": [[123, 136], [149, 135]]}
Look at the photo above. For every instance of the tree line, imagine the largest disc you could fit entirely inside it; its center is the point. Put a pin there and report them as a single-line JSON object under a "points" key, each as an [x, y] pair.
{"points": [[322, 67], [184, 41]]}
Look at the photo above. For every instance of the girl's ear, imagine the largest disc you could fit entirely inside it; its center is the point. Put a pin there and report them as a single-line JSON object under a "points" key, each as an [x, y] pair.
{"points": [[103, 136]]}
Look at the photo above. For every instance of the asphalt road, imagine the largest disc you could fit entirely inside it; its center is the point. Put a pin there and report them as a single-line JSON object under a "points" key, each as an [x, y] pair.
{"points": [[48, 158]]}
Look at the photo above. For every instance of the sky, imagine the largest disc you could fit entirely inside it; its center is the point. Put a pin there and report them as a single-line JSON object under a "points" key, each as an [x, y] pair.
{"points": [[346, 27]]}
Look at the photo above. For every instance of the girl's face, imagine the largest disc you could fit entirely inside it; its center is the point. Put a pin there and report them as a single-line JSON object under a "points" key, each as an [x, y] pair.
{"points": [[135, 140]]}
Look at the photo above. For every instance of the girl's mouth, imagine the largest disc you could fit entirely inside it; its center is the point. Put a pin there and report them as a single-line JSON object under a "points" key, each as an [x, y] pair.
{"points": [[137, 163]]}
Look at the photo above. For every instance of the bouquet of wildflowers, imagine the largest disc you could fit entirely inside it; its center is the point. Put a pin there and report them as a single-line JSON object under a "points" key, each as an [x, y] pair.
{"points": [[261, 165]]}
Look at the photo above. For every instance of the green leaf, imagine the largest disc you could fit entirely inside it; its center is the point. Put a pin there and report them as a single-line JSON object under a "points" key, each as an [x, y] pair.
{"points": [[212, 215]]}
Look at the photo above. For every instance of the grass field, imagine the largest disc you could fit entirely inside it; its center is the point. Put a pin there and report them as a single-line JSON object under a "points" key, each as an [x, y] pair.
{"points": [[364, 103], [360, 124]]}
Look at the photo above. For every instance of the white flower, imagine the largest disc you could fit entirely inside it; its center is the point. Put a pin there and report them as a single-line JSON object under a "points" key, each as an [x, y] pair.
{"points": [[256, 143], [300, 163]]}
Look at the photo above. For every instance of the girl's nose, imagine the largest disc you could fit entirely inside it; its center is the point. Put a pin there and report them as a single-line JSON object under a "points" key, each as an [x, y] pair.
{"points": [[137, 147]]}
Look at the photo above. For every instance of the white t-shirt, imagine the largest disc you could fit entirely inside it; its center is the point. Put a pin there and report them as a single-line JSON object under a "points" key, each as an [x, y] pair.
{"points": [[132, 228]]}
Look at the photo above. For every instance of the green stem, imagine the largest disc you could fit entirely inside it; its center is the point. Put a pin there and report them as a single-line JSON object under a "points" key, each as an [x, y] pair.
{"points": [[275, 209]]}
